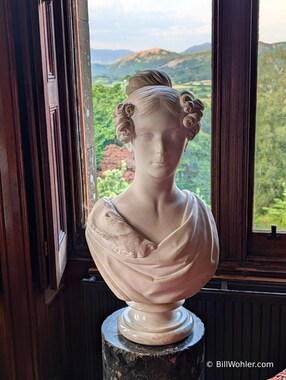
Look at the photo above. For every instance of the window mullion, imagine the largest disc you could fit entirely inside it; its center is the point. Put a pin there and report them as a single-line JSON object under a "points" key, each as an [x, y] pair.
{"points": [[231, 124]]}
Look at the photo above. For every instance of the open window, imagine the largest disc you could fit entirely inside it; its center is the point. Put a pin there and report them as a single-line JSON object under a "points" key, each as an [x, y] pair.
{"points": [[244, 251], [232, 120], [267, 237]]}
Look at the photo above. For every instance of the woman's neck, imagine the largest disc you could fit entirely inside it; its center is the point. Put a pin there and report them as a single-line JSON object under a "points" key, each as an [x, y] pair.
{"points": [[155, 191]]}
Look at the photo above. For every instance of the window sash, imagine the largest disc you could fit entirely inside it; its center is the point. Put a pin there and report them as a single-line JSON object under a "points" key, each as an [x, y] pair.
{"points": [[235, 43]]}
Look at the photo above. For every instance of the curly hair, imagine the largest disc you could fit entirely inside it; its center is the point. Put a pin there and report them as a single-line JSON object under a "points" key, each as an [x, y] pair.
{"points": [[150, 90]]}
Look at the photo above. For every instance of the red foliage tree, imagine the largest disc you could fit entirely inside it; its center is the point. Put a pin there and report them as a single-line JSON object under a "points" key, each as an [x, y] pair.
{"points": [[112, 157]]}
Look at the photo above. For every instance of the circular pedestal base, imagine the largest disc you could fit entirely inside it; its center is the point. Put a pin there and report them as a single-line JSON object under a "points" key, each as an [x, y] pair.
{"points": [[125, 360], [155, 325]]}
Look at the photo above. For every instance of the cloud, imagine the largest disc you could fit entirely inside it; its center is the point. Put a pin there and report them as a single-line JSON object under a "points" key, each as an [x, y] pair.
{"points": [[142, 24], [139, 7], [272, 21]]}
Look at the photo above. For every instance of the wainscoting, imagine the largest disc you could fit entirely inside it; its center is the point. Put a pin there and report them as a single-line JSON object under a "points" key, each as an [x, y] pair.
{"points": [[241, 325]]}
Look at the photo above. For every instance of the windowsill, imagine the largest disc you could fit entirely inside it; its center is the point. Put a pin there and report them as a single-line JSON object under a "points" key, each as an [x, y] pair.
{"points": [[258, 271], [233, 283], [250, 279]]}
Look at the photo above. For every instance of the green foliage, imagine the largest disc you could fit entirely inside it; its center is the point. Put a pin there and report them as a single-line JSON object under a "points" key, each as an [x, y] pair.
{"points": [[192, 73], [206, 121], [270, 163], [112, 182], [199, 193], [194, 170], [273, 215], [105, 98]]}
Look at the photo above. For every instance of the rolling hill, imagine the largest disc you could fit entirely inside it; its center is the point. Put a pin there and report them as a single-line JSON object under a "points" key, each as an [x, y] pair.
{"points": [[182, 67], [198, 48], [194, 64]]}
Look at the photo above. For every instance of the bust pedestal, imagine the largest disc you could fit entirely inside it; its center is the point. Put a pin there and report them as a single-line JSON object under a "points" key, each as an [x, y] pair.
{"points": [[126, 360], [155, 324]]}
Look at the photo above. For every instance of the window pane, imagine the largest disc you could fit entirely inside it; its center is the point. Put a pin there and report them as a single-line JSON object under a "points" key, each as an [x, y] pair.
{"points": [[129, 36], [270, 153]]}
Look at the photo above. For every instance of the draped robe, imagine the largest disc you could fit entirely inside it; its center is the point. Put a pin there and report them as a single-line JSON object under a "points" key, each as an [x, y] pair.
{"points": [[137, 269]]}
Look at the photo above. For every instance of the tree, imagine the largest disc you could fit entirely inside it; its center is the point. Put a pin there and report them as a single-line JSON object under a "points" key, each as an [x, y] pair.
{"points": [[270, 162], [113, 156], [274, 215], [105, 99], [194, 170], [112, 182]]}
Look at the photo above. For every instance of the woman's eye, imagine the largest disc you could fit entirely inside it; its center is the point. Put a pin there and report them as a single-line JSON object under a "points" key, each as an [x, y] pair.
{"points": [[146, 136]]}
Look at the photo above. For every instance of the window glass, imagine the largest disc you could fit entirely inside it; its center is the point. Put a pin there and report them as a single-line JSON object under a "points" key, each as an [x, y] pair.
{"points": [[270, 149], [127, 36]]}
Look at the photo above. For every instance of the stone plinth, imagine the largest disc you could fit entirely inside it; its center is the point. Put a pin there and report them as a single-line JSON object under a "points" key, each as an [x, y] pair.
{"points": [[125, 360]]}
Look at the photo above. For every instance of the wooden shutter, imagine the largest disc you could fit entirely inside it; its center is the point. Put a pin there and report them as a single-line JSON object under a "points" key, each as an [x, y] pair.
{"points": [[54, 176]]}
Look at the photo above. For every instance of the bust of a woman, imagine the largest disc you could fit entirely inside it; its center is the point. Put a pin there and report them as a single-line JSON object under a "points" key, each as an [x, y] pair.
{"points": [[154, 244]]}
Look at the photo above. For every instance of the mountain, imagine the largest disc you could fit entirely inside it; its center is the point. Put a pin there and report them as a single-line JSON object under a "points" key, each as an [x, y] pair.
{"points": [[190, 67], [262, 46], [198, 48], [107, 56], [146, 59], [194, 64], [182, 68], [150, 55]]}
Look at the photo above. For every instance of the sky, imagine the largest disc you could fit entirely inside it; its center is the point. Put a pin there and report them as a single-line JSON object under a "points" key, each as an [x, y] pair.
{"points": [[272, 21], [143, 24], [172, 25]]}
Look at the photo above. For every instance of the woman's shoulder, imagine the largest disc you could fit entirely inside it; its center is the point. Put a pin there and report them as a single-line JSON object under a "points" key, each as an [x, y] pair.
{"points": [[191, 196], [124, 202], [100, 208], [195, 201]]}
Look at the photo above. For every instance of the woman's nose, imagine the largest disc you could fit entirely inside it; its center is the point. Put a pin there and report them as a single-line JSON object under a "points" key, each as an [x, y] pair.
{"points": [[159, 148]]}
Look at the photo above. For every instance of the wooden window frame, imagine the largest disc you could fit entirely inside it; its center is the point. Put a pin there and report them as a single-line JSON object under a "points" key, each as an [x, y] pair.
{"points": [[243, 252]]}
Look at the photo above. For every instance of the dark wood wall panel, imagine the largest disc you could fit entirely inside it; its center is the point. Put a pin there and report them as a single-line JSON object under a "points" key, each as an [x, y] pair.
{"points": [[76, 270], [57, 336], [5, 355], [17, 311], [51, 328], [240, 326]]}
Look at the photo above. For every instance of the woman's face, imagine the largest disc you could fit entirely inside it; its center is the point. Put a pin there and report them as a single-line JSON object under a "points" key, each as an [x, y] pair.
{"points": [[158, 144]]}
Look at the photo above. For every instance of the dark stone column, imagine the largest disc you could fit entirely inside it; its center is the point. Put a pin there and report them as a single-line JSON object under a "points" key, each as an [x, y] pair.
{"points": [[125, 360]]}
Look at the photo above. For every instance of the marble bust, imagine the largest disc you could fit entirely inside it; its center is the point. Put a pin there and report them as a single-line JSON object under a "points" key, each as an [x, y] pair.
{"points": [[154, 244]]}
